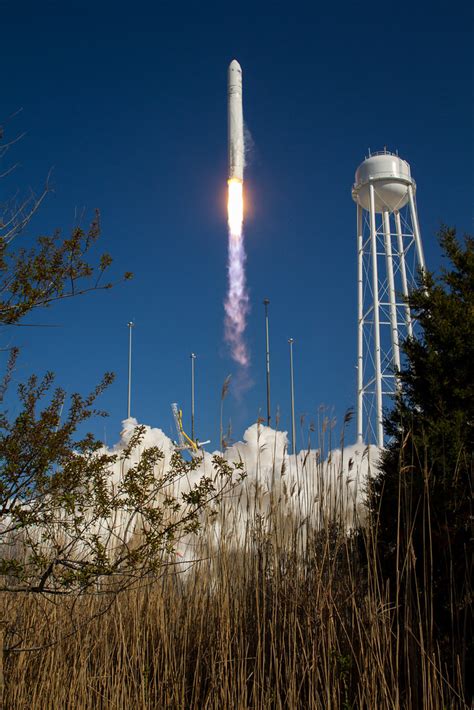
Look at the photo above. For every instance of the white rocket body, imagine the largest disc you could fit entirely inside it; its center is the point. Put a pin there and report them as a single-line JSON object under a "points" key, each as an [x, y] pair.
{"points": [[235, 122]]}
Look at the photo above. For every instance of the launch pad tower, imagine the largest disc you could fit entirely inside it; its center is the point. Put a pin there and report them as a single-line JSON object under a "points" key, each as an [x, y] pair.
{"points": [[390, 253]]}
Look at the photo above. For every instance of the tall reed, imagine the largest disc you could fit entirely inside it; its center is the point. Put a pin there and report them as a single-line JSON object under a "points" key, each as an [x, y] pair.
{"points": [[296, 615]]}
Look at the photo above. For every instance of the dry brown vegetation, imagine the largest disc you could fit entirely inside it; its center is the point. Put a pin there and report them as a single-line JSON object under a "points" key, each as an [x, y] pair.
{"points": [[275, 624]]}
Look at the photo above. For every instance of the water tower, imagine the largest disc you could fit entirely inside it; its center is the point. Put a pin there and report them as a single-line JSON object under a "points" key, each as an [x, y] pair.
{"points": [[390, 253]]}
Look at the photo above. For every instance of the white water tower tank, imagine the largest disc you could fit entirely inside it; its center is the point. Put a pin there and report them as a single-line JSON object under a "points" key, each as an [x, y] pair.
{"points": [[390, 253], [390, 176]]}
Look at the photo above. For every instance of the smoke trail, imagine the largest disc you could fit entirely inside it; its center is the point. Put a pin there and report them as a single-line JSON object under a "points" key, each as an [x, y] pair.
{"points": [[237, 301]]}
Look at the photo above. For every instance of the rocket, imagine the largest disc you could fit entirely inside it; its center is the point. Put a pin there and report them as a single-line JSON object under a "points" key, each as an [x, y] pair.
{"points": [[235, 122], [237, 301]]}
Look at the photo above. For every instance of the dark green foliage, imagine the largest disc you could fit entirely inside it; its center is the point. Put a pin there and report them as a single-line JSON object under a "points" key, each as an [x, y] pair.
{"points": [[422, 498]]}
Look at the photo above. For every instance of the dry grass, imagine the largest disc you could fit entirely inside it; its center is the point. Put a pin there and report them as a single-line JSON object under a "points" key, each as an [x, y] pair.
{"points": [[296, 617]]}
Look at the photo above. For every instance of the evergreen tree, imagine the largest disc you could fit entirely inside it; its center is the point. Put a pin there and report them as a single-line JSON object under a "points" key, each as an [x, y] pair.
{"points": [[422, 498]]}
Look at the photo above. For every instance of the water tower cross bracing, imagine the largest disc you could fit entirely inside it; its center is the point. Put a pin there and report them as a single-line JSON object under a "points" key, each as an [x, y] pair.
{"points": [[390, 253]]}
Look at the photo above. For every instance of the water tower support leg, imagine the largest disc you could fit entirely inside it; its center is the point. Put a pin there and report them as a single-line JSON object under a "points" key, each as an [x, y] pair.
{"points": [[375, 289], [403, 272], [360, 326], [416, 228], [391, 292]]}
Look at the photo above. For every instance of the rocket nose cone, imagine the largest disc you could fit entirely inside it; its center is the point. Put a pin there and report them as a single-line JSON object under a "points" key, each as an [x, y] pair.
{"points": [[234, 65]]}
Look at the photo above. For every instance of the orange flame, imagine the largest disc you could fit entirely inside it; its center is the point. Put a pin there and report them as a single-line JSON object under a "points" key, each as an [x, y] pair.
{"points": [[235, 206]]}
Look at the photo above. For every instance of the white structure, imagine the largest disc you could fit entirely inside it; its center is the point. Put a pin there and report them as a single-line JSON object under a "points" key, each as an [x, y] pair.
{"points": [[390, 253], [235, 121]]}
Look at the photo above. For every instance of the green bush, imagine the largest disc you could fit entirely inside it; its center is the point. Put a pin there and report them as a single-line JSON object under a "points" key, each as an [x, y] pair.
{"points": [[421, 500]]}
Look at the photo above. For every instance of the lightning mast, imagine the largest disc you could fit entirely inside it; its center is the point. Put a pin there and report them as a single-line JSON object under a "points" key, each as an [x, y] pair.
{"points": [[193, 358], [130, 326], [266, 302], [292, 384]]}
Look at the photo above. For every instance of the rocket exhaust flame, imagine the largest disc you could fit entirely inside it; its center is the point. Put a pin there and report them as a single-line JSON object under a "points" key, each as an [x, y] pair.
{"points": [[235, 206], [237, 301]]}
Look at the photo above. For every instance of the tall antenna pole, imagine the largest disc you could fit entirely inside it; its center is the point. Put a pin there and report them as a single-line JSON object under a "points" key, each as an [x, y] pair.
{"points": [[193, 358], [293, 427], [130, 325], [267, 358]]}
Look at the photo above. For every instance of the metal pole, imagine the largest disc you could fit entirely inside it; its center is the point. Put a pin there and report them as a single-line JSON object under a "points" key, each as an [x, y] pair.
{"points": [[267, 358], [375, 289], [130, 325], [360, 334], [293, 428], [403, 272], [193, 358], [391, 292], [416, 228]]}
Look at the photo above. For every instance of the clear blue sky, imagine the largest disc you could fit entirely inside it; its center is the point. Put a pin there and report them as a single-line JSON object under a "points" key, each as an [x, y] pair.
{"points": [[128, 103]]}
